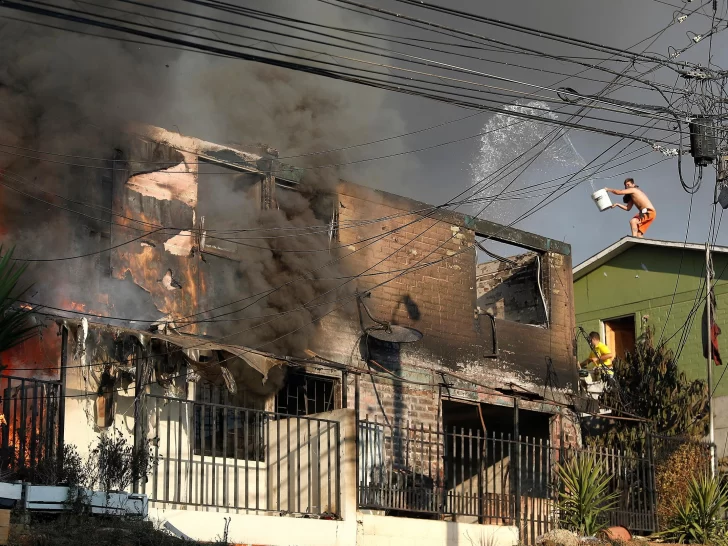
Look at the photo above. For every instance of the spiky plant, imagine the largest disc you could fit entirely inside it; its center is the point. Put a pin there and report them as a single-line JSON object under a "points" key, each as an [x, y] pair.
{"points": [[584, 499], [14, 324], [699, 517]]}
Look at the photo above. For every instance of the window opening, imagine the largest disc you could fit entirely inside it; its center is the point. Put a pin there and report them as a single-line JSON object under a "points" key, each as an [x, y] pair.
{"points": [[219, 415], [510, 283], [306, 394]]}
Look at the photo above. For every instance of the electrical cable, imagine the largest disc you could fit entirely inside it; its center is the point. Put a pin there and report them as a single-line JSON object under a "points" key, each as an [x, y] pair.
{"points": [[405, 57], [287, 64], [526, 30], [276, 18]]}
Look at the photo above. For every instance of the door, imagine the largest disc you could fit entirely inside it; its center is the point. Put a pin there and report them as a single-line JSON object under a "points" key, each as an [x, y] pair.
{"points": [[620, 335]]}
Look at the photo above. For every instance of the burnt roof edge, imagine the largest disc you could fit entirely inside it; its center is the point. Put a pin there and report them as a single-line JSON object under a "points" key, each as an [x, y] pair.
{"points": [[497, 232]]}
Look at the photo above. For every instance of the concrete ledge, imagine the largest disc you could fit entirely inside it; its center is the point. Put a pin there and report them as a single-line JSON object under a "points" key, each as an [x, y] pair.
{"points": [[263, 530], [387, 531]]}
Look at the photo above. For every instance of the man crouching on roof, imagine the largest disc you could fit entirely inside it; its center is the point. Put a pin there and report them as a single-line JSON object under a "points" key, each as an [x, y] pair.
{"points": [[633, 196]]}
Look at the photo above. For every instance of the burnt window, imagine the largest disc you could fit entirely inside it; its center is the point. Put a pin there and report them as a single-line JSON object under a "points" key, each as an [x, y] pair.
{"points": [[229, 425], [511, 284], [306, 394]]}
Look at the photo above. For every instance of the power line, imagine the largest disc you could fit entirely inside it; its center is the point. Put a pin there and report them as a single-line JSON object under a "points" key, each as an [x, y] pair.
{"points": [[527, 30], [298, 67]]}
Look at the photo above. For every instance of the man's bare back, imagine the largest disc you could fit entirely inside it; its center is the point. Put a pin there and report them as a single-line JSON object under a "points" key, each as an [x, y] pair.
{"points": [[635, 197], [639, 198]]}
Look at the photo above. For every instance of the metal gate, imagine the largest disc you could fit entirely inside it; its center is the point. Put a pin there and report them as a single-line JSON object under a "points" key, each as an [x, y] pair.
{"points": [[30, 424]]}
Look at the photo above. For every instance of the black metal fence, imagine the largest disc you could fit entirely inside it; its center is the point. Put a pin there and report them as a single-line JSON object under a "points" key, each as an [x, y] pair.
{"points": [[469, 476], [30, 432], [229, 457]]}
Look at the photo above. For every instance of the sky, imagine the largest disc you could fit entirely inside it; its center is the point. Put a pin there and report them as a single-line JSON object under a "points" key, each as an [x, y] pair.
{"points": [[438, 174], [232, 101]]}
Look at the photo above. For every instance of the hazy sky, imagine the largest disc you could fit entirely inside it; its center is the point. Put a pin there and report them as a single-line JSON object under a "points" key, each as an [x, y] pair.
{"points": [[436, 175], [233, 101]]}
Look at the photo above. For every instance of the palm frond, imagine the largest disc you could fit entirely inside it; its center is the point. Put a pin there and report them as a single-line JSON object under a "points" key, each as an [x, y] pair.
{"points": [[15, 326], [584, 498]]}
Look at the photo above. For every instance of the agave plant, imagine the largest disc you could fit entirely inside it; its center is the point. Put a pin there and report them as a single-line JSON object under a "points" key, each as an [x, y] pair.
{"points": [[699, 518], [584, 496], [14, 324]]}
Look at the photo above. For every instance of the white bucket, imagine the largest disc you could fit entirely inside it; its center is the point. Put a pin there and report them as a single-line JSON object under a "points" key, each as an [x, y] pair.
{"points": [[601, 198]]}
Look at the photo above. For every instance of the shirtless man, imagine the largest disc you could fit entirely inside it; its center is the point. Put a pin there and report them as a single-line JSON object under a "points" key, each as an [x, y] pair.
{"points": [[633, 196]]}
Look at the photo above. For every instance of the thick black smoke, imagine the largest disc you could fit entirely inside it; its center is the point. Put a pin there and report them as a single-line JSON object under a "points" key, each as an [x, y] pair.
{"points": [[72, 97]]}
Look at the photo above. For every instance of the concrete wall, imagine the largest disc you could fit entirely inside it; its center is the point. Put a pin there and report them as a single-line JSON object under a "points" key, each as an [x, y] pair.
{"points": [[390, 531]]}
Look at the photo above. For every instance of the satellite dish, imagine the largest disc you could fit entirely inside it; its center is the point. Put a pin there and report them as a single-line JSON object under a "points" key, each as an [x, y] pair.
{"points": [[384, 331], [395, 334]]}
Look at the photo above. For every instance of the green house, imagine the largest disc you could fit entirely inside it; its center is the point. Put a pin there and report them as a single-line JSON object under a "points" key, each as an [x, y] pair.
{"points": [[639, 283]]}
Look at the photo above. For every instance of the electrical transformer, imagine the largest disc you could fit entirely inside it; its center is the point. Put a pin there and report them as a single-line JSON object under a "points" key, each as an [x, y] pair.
{"points": [[703, 140]]}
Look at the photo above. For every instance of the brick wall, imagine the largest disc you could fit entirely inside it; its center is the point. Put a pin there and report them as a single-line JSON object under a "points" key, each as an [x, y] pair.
{"points": [[440, 301]]}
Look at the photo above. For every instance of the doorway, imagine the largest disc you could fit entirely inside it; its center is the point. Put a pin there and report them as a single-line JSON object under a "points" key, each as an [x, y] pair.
{"points": [[619, 335]]}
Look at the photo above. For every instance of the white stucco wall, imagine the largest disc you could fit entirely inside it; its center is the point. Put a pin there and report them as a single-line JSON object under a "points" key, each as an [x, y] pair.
{"points": [[387, 531]]}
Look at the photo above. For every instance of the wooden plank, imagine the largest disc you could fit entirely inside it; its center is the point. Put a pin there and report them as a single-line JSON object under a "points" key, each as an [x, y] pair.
{"points": [[4, 527]]}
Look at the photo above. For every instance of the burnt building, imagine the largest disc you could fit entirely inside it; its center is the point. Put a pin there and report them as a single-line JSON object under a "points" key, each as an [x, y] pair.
{"points": [[309, 348]]}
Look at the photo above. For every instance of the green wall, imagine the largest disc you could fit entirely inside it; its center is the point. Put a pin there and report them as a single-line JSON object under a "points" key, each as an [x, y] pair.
{"points": [[640, 282]]}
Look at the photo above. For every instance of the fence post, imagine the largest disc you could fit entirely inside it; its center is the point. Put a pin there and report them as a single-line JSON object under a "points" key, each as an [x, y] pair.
{"points": [[62, 394], [517, 473], [653, 481], [357, 438], [138, 390]]}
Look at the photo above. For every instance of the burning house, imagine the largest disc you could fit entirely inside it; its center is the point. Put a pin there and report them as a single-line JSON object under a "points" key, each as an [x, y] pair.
{"points": [[336, 352]]}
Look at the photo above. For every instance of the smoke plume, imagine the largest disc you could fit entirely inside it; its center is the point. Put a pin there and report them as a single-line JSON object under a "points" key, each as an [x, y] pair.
{"points": [[71, 97]]}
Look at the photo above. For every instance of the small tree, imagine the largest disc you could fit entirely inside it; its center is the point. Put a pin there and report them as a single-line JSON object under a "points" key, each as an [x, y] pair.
{"points": [[699, 518], [648, 384], [117, 463]]}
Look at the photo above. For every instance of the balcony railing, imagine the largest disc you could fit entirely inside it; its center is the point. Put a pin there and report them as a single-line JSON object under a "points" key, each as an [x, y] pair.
{"points": [[230, 457], [487, 478]]}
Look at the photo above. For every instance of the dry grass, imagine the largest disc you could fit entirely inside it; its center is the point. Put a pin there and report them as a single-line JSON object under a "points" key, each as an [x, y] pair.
{"points": [[88, 531]]}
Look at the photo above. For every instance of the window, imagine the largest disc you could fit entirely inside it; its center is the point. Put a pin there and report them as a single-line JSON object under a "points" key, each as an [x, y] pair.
{"points": [[510, 283], [230, 425], [306, 394], [619, 335]]}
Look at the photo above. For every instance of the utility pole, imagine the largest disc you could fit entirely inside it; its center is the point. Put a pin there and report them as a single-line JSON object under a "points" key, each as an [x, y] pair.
{"points": [[708, 312]]}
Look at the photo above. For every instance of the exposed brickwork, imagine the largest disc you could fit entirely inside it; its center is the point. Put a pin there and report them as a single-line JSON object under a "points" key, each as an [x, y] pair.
{"points": [[442, 292]]}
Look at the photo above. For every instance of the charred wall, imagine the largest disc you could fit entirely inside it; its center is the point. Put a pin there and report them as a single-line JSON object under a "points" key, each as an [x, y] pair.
{"points": [[440, 300]]}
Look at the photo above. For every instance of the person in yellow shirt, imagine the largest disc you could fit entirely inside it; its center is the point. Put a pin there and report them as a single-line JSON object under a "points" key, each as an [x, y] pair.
{"points": [[600, 353]]}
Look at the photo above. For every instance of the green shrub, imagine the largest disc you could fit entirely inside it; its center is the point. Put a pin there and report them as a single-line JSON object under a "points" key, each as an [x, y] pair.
{"points": [[584, 497], [116, 463], [674, 470], [698, 519]]}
